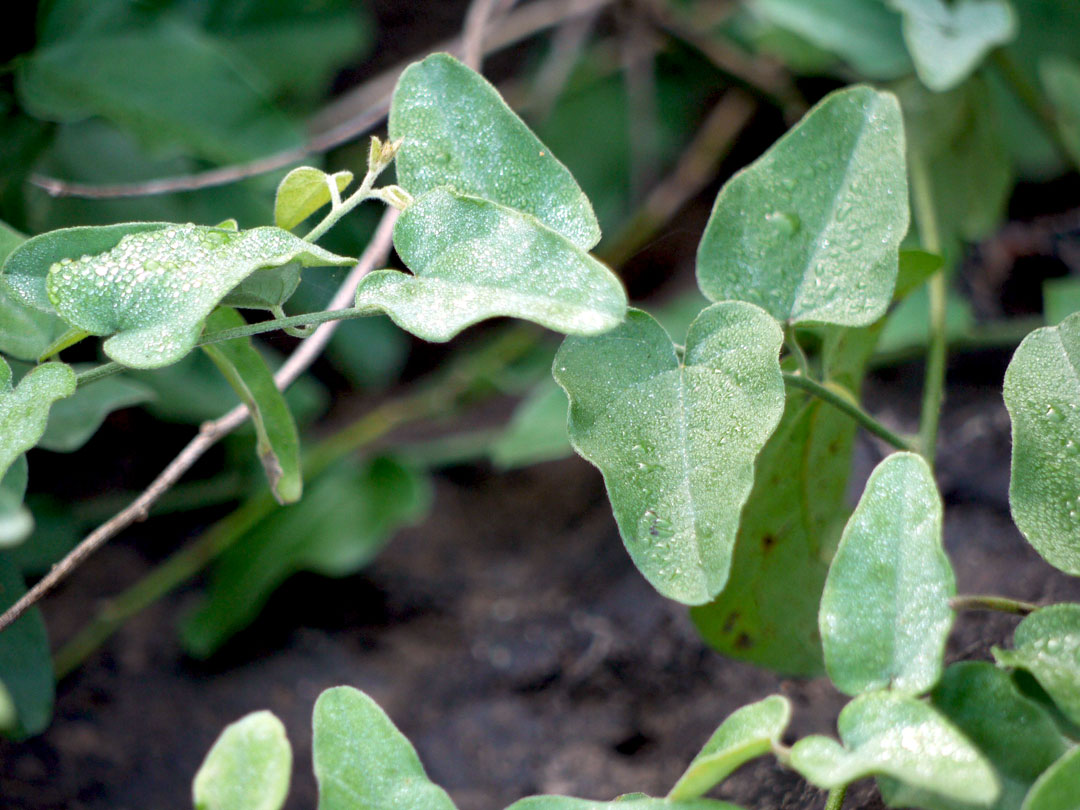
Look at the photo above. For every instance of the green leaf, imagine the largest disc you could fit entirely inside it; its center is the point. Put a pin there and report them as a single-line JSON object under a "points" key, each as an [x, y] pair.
{"points": [[72, 421], [26, 670], [16, 521], [1042, 394], [302, 192], [676, 438], [24, 410], [1015, 734], [890, 734], [268, 289], [459, 132], [347, 516], [907, 326], [474, 259], [635, 801], [768, 612], [1047, 644], [1060, 77], [277, 442], [916, 268], [153, 290], [1061, 298], [885, 614], [948, 40], [248, 768], [748, 733], [363, 761], [537, 430], [811, 230], [24, 332], [1059, 787]]}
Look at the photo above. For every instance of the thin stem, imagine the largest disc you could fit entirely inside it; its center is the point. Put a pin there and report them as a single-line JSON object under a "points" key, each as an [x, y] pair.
{"points": [[836, 798], [288, 322], [842, 403], [363, 192], [98, 373], [796, 349], [1002, 604]]}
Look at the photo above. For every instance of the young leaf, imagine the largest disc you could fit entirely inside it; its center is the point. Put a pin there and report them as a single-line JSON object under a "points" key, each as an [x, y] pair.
{"points": [[631, 802], [153, 290], [890, 734], [362, 760], [1042, 394], [537, 430], [748, 733], [24, 410], [948, 40], [1047, 644], [885, 613], [676, 438], [811, 230], [248, 768], [1015, 734], [278, 444], [459, 132], [303, 191], [474, 259], [72, 421], [1059, 787], [26, 670]]}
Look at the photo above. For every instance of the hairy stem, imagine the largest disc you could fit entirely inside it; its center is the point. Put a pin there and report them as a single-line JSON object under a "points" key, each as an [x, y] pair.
{"points": [[835, 799], [1002, 604], [842, 403]]}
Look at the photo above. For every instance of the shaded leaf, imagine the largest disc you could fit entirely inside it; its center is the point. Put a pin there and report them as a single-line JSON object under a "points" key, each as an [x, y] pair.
{"points": [[26, 670], [268, 289], [889, 734], [153, 290], [302, 192], [537, 430], [907, 326], [630, 802], [362, 760], [24, 410], [16, 521], [473, 259], [811, 230], [72, 421], [1059, 787], [248, 768], [1061, 298], [1042, 393], [459, 132], [1060, 77], [676, 438], [748, 733], [1047, 644]]}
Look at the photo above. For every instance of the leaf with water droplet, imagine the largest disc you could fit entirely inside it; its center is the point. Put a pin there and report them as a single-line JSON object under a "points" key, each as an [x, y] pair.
{"points": [[24, 410], [303, 191], [826, 248], [474, 259], [1042, 394], [1059, 787], [676, 440], [748, 733], [25, 332], [458, 132], [890, 734], [153, 290], [885, 614], [248, 768], [1047, 644]]}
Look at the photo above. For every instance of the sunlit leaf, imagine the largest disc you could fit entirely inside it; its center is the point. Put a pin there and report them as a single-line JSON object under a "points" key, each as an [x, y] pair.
{"points": [[1042, 393], [362, 760], [1047, 644], [459, 132], [153, 290], [248, 768], [72, 421], [748, 733], [811, 230], [885, 614], [537, 430], [302, 192], [676, 437], [473, 259], [24, 410], [889, 734], [26, 670], [1059, 787]]}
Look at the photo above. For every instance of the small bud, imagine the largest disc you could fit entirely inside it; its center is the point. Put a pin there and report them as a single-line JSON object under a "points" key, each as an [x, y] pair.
{"points": [[390, 150], [396, 196], [375, 152]]}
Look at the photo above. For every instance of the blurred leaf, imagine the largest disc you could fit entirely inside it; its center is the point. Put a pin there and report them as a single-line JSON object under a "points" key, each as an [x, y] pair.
{"points": [[635, 801], [537, 430], [474, 259], [56, 531], [248, 768], [26, 671], [916, 268], [345, 519], [304, 191], [889, 734], [677, 313], [1061, 298], [1042, 392], [908, 326], [16, 521], [1059, 787], [24, 410], [362, 760], [459, 132], [1061, 80], [72, 421], [676, 437], [278, 444], [811, 230], [748, 733], [1047, 644]]}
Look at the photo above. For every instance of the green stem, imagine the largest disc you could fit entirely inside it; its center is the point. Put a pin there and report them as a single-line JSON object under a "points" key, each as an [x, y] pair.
{"points": [[1002, 604], [842, 403], [98, 373], [836, 798], [796, 349], [340, 209]]}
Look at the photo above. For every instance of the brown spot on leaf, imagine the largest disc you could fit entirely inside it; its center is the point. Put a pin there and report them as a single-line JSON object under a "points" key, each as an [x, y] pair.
{"points": [[743, 642]]}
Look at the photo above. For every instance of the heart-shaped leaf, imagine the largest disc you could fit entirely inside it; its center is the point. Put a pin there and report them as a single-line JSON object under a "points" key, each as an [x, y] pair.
{"points": [[1059, 787], [890, 734], [474, 259], [1047, 644], [630, 802], [459, 132], [811, 230], [24, 410], [1042, 394], [362, 760], [248, 768], [885, 614], [26, 669], [748, 733], [303, 191], [153, 290], [947, 41], [676, 437]]}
